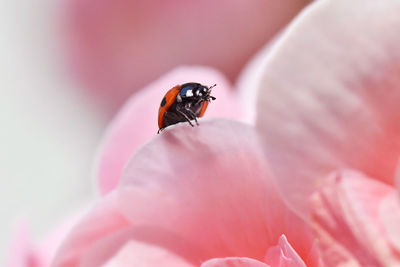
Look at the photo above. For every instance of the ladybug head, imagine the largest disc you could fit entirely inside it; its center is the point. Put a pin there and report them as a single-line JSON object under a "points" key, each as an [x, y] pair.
{"points": [[196, 92], [203, 92]]}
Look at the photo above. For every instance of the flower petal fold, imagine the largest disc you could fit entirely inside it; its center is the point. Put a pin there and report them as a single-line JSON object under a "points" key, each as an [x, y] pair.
{"points": [[390, 217], [346, 220], [329, 93], [234, 262], [103, 221], [283, 255], [140, 254], [136, 122], [397, 175]]}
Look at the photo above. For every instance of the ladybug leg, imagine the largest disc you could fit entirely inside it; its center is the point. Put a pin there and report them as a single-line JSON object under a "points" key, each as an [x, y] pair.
{"points": [[195, 119], [192, 114], [186, 117]]}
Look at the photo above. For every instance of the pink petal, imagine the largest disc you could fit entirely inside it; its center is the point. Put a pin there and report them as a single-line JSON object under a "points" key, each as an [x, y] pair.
{"points": [[104, 234], [247, 85], [390, 217], [209, 186], [345, 218], [22, 252], [194, 193], [119, 46], [234, 262], [144, 255], [330, 93], [102, 221], [136, 123], [398, 177], [283, 255], [49, 245]]}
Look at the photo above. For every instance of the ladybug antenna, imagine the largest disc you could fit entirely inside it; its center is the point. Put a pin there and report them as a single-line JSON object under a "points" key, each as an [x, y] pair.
{"points": [[212, 86]]}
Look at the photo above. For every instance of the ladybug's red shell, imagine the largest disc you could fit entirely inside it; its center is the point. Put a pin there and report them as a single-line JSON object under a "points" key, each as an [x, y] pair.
{"points": [[166, 103], [182, 103]]}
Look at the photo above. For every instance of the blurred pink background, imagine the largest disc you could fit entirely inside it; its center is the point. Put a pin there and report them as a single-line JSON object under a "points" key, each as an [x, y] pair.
{"points": [[117, 47]]}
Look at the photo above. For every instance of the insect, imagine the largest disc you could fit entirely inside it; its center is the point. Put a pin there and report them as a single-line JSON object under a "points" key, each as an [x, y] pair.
{"points": [[182, 103]]}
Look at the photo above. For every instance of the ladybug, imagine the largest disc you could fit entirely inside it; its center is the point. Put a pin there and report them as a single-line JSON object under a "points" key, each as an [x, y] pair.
{"points": [[182, 103]]}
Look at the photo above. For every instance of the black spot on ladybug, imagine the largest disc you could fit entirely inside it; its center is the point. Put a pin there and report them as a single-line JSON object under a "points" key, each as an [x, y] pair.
{"points": [[163, 102]]}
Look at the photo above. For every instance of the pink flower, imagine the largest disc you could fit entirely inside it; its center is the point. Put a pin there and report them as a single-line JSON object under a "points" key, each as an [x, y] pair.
{"points": [[119, 46], [325, 143], [164, 177]]}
